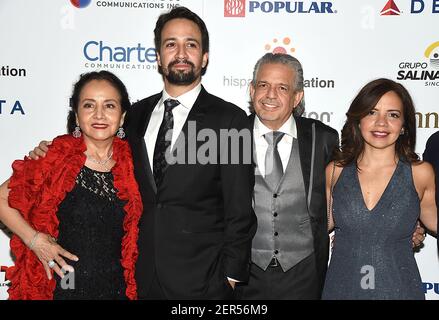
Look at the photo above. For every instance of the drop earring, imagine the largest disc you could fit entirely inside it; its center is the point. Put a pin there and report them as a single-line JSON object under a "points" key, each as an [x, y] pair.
{"points": [[77, 132], [120, 133]]}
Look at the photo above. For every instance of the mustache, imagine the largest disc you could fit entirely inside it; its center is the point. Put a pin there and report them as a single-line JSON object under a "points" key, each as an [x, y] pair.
{"points": [[273, 102], [177, 61]]}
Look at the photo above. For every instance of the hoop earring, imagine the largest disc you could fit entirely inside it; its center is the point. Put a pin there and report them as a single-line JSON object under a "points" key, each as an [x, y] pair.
{"points": [[120, 133], [77, 132]]}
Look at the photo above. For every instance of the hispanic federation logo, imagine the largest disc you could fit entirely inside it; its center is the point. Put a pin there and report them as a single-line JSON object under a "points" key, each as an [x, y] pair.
{"points": [[390, 9], [80, 3], [283, 46], [234, 8]]}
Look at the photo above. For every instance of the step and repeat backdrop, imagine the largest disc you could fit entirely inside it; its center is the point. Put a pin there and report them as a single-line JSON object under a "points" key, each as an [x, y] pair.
{"points": [[343, 44]]}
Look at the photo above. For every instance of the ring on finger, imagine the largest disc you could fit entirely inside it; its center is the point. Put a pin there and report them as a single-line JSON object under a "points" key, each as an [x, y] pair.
{"points": [[51, 264]]}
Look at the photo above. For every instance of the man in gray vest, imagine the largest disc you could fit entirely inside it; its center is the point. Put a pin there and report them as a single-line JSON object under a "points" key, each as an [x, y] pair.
{"points": [[290, 248]]}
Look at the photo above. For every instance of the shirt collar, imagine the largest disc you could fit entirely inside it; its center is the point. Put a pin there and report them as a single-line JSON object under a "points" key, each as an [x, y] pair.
{"points": [[289, 127], [187, 99]]}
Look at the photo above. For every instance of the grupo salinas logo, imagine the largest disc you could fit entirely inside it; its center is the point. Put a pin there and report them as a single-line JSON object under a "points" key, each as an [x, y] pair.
{"points": [[80, 3], [422, 70], [237, 8], [416, 7], [99, 54], [432, 53]]}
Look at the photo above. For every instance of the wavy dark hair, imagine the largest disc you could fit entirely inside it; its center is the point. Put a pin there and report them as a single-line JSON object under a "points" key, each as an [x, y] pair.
{"points": [[352, 142], [80, 84], [181, 13]]}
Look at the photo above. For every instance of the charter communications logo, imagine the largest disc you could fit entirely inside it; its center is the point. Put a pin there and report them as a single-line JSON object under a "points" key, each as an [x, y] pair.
{"points": [[136, 4], [100, 55], [416, 7], [237, 8], [80, 3]]}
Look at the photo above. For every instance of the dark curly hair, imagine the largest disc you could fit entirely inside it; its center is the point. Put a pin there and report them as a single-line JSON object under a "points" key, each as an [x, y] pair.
{"points": [[86, 78], [352, 142]]}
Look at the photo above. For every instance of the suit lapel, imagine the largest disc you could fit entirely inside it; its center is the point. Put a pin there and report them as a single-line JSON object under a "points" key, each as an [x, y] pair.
{"points": [[252, 118], [146, 165], [143, 151], [304, 137]]}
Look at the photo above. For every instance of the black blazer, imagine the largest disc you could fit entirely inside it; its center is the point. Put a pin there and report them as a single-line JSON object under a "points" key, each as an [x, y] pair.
{"points": [[431, 155], [196, 229], [316, 144]]}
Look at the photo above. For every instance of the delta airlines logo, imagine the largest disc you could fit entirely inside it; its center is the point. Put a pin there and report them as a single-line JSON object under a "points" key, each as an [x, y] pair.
{"points": [[234, 8], [416, 7], [422, 70], [80, 3], [390, 9]]}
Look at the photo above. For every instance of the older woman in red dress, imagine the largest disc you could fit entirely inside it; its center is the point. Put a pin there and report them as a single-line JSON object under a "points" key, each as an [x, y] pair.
{"points": [[80, 204]]}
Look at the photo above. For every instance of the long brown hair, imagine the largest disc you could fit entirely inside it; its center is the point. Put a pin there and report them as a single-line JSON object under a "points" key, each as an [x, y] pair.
{"points": [[352, 142]]}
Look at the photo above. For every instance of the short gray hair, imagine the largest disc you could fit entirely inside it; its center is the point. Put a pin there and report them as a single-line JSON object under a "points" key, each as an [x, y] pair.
{"points": [[289, 61]]}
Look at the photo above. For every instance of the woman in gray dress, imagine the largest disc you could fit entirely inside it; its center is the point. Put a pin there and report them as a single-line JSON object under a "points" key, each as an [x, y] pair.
{"points": [[377, 189]]}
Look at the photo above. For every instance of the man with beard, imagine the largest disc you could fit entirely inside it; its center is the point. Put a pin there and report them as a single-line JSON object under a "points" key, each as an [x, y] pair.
{"points": [[196, 230]]}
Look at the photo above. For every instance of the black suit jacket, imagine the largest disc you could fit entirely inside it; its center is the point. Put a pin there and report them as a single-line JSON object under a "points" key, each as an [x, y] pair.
{"points": [[316, 144], [431, 155], [197, 227]]}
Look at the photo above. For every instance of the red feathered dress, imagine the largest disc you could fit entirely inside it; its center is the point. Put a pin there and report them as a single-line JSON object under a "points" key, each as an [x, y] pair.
{"points": [[37, 187]]}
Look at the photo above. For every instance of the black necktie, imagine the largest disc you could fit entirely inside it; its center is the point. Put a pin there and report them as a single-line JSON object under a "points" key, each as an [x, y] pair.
{"points": [[273, 164], [163, 141]]}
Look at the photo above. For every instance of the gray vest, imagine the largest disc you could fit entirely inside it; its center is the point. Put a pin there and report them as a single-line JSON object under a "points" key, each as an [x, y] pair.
{"points": [[284, 228]]}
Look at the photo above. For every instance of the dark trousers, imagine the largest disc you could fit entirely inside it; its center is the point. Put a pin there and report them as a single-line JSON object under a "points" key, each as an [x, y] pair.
{"points": [[219, 290], [155, 291], [298, 283]]}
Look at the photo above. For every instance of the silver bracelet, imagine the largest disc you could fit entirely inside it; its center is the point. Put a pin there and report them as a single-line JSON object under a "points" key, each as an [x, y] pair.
{"points": [[32, 243]]}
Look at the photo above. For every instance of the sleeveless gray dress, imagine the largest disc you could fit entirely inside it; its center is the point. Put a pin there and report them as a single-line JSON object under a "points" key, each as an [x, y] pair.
{"points": [[373, 256]]}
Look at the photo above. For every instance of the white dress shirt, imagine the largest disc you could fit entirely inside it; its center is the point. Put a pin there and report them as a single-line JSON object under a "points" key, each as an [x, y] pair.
{"points": [[284, 145], [180, 114]]}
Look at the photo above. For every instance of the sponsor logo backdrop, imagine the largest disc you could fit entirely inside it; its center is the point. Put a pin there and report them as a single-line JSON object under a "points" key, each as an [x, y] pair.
{"points": [[342, 45]]}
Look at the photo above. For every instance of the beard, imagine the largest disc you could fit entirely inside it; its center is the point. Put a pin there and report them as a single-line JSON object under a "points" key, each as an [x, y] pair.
{"points": [[181, 77]]}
